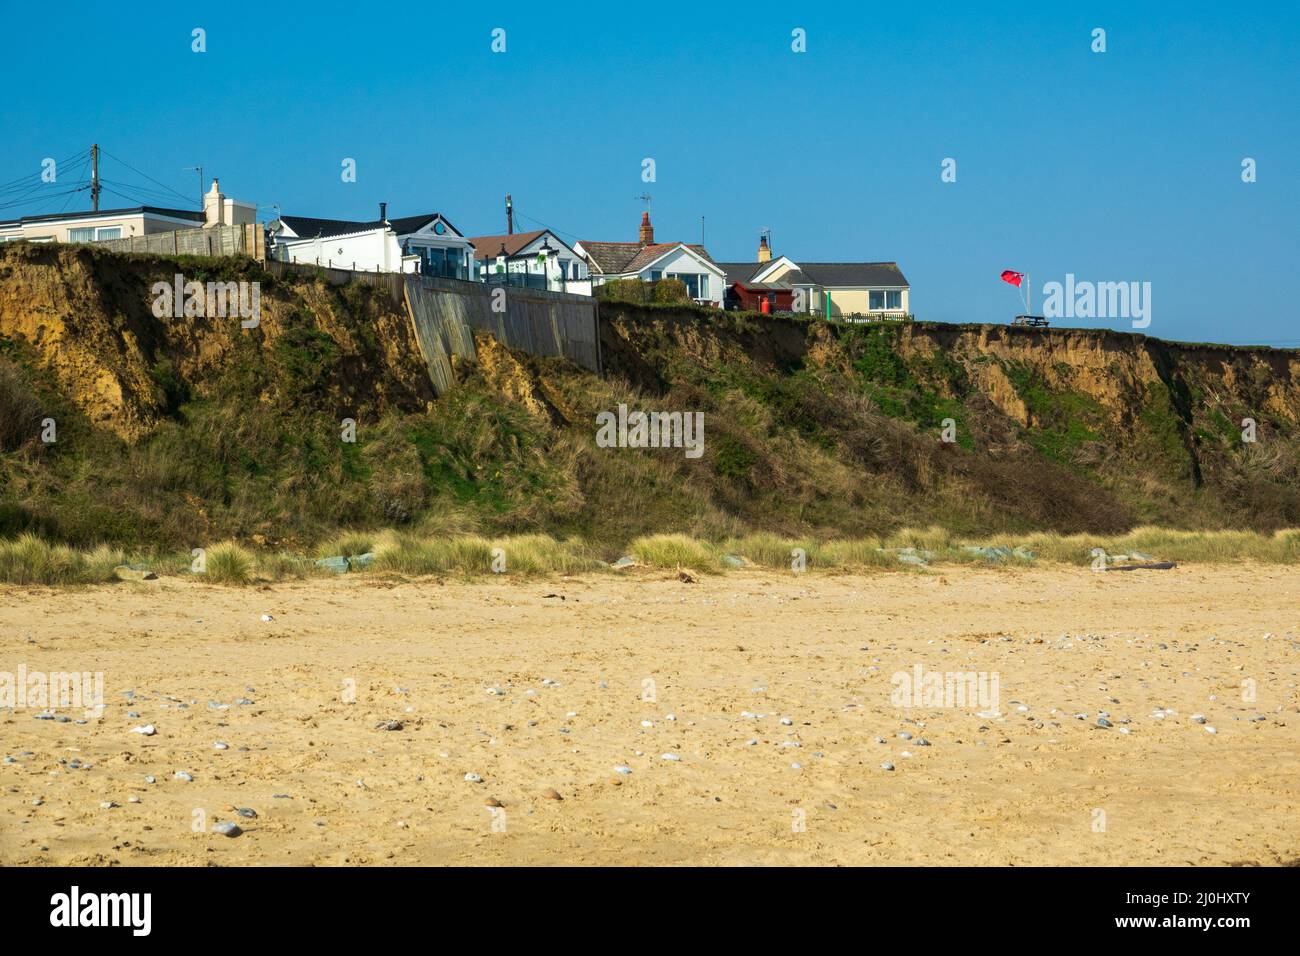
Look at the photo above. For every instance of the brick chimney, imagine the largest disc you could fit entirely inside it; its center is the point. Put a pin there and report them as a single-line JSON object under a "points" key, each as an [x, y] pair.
{"points": [[647, 237], [764, 251]]}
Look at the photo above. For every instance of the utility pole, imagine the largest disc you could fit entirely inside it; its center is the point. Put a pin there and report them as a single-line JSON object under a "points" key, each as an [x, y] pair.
{"points": [[510, 216], [199, 170], [701, 230], [94, 177]]}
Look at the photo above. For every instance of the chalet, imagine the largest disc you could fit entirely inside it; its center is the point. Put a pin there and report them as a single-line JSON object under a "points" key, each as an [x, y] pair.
{"points": [[102, 224], [539, 259], [650, 261], [866, 290], [428, 244]]}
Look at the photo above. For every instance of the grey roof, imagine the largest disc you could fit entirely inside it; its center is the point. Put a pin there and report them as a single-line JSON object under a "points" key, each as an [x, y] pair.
{"points": [[740, 271], [308, 227], [840, 274], [91, 214]]}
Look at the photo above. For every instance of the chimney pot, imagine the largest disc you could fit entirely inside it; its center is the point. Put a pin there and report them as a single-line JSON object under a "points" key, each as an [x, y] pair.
{"points": [[383, 212]]}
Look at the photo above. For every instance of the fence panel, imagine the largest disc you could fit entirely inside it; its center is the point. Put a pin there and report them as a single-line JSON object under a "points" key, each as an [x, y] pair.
{"points": [[209, 241], [446, 312]]}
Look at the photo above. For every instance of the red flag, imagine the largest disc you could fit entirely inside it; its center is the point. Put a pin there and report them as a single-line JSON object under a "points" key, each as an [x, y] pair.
{"points": [[1012, 277]]}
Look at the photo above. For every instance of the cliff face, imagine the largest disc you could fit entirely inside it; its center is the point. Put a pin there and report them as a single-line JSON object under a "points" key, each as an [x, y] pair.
{"points": [[179, 430], [88, 317], [1161, 429]]}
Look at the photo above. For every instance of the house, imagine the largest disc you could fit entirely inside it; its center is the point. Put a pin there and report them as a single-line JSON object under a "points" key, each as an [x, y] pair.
{"points": [[539, 259], [428, 244], [867, 290], [650, 261], [98, 225], [743, 291]]}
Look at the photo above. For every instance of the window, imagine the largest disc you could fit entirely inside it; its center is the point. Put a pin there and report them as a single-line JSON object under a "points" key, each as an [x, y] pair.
{"points": [[882, 300], [437, 261], [704, 286], [94, 233], [656, 275], [691, 280]]}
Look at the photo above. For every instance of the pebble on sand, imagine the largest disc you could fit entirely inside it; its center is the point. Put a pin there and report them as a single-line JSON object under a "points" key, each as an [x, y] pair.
{"points": [[473, 778], [182, 775], [147, 730], [227, 829], [886, 766]]}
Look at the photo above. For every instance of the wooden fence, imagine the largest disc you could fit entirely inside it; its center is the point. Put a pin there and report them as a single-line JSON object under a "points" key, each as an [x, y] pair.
{"points": [[249, 240], [391, 282], [446, 312]]}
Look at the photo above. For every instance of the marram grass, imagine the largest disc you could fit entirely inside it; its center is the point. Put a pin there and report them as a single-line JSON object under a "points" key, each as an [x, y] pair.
{"points": [[30, 560]]}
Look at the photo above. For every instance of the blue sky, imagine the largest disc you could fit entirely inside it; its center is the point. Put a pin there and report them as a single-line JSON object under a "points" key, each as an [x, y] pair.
{"points": [[1115, 166]]}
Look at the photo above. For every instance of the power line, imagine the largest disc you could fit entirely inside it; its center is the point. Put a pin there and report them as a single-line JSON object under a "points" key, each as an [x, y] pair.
{"points": [[25, 179], [146, 176], [43, 200], [558, 232]]}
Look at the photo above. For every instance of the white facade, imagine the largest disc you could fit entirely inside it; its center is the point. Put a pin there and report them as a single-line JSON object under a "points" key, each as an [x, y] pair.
{"points": [[544, 261], [704, 280], [434, 247], [374, 250]]}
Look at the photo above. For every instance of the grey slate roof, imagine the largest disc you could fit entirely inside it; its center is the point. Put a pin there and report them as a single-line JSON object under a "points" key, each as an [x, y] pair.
{"points": [[89, 214], [830, 275], [308, 227], [833, 275], [740, 271]]}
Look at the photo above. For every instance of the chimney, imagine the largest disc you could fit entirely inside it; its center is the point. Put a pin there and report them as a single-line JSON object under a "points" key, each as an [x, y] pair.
{"points": [[764, 251], [647, 236], [213, 205], [383, 212]]}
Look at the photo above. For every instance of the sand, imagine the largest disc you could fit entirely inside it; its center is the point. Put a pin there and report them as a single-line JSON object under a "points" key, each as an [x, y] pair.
{"points": [[1032, 785]]}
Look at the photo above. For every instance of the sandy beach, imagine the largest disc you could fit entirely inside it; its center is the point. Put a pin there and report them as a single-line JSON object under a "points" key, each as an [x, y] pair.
{"points": [[775, 692]]}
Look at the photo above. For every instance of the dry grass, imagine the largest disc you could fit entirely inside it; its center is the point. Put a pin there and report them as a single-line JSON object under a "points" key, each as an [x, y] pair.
{"points": [[676, 551], [228, 563], [28, 559]]}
